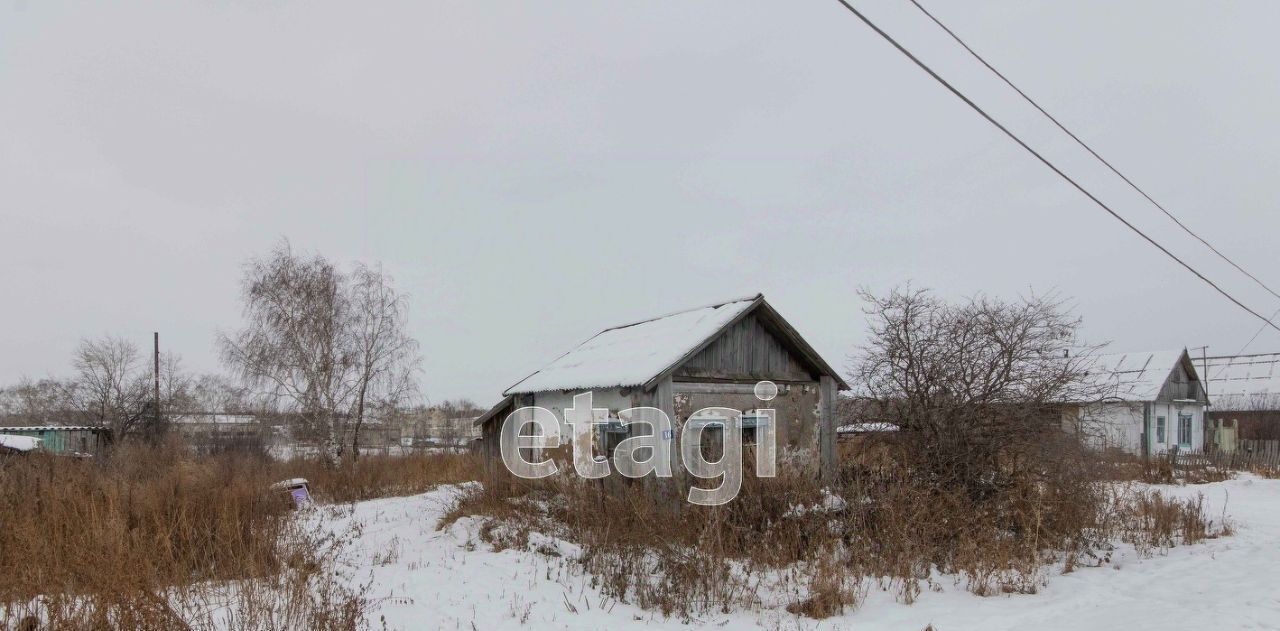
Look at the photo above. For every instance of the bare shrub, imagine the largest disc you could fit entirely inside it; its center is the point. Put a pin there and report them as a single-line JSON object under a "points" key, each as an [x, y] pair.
{"points": [[1151, 521]]}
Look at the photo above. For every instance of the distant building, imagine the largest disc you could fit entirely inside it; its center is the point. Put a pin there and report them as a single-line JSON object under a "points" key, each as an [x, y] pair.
{"points": [[1154, 403], [1246, 398], [436, 428], [215, 432], [686, 361], [66, 440]]}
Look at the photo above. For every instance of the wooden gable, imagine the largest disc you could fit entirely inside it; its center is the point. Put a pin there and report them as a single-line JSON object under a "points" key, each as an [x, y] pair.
{"points": [[1183, 384], [746, 350]]}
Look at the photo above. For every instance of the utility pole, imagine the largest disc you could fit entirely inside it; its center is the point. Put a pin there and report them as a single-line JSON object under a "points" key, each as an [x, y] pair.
{"points": [[157, 375]]}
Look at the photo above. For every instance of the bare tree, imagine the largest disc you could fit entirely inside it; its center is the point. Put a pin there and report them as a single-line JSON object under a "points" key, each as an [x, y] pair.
{"points": [[215, 393], [387, 357], [111, 384], [324, 344], [48, 401], [296, 341], [974, 384]]}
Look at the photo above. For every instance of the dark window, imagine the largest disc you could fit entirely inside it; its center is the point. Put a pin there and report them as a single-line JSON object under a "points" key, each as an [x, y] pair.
{"points": [[712, 443], [611, 435], [750, 425]]}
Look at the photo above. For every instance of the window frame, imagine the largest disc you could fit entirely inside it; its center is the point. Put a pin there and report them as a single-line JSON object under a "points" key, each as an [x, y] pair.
{"points": [[1185, 420], [611, 431]]}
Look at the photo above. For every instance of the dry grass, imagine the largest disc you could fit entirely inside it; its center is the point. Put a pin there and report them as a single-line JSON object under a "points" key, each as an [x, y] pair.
{"points": [[1123, 467], [878, 526], [152, 538], [377, 476]]}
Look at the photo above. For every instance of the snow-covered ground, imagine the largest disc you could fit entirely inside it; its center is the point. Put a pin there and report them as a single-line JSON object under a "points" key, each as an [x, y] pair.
{"points": [[421, 578]]}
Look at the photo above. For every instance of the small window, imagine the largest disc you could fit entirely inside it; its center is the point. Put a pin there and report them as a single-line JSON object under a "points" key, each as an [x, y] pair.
{"points": [[750, 426], [1160, 429], [712, 442], [1184, 430], [611, 435]]}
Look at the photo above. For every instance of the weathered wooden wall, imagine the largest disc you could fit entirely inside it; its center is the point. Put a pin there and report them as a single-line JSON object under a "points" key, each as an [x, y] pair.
{"points": [[746, 351]]}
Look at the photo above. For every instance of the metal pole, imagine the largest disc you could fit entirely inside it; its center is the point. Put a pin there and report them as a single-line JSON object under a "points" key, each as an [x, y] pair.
{"points": [[157, 375]]}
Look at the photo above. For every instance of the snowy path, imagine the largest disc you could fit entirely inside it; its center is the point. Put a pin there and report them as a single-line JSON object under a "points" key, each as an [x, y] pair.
{"points": [[434, 579]]}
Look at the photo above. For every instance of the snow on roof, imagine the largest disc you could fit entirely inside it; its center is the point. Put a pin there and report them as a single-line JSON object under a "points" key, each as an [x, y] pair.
{"points": [[216, 418], [1133, 376], [19, 443], [285, 485], [866, 428], [52, 428], [1242, 382], [632, 354]]}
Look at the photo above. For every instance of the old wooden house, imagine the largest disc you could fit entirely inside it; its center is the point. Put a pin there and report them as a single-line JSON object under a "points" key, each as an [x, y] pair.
{"points": [[683, 362]]}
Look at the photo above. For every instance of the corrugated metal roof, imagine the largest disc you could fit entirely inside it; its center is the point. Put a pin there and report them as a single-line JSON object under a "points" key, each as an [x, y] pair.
{"points": [[1133, 376], [1244, 382], [632, 354]]}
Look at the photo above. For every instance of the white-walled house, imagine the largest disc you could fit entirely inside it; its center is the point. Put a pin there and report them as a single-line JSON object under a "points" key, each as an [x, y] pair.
{"points": [[1154, 403]]}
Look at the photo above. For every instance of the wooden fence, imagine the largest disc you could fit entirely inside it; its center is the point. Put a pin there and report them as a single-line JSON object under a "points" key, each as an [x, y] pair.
{"points": [[1249, 454]]}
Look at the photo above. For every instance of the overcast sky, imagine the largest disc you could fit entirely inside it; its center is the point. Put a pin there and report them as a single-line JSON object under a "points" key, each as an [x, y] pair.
{"points": [[532, 172]]}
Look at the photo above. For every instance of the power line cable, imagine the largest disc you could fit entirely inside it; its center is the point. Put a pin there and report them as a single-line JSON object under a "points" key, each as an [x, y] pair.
{"points": [[1086, 147], [1247, 344], [960, 95]]}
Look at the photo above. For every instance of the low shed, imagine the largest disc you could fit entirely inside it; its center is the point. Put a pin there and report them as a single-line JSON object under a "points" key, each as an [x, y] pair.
{"points": [[67, 440]]}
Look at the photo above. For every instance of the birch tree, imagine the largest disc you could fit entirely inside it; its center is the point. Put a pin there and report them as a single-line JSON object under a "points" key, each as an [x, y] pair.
{"points": [[387, 357], [323, 343], [295, 345]]}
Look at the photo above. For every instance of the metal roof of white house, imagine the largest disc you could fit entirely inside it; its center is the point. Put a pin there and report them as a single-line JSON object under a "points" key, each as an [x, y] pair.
{"points": [[632, 354], [1241, 382], [1133, 376]]}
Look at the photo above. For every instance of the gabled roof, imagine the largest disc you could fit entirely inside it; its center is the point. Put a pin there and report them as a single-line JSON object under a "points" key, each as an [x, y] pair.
{"points": [[640, 353], [1244, 382], [1136, 376]]}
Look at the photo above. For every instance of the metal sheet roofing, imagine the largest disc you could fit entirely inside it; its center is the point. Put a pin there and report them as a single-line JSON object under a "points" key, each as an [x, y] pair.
{"points": [[1133, 376], [1244, 382]]}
